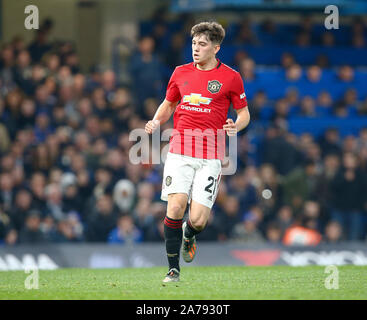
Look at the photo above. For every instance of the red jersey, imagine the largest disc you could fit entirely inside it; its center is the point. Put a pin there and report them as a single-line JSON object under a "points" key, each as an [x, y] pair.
{"points": [[205, 97]]}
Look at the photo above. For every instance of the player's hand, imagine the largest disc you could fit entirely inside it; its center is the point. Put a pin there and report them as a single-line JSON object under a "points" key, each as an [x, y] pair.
{"points": [[230, 127], [151, 126]]}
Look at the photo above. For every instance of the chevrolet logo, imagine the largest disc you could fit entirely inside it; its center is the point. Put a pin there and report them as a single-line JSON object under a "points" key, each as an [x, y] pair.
{"points": [[196, 99]]}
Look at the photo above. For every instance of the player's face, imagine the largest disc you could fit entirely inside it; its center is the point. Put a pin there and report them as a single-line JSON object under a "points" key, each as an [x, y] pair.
{"points": [[203, 50]]}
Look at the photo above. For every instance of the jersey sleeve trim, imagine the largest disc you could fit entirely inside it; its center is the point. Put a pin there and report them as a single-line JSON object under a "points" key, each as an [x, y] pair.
{"points": [[239, 99]]}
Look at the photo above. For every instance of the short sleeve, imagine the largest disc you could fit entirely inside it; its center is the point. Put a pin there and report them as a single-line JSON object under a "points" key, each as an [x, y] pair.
{"points": [[237, 92], [173, 93]]}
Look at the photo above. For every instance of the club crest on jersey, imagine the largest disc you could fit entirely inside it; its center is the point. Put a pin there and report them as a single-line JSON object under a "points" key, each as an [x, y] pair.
{"points": [[168, 180], [214, 86]]}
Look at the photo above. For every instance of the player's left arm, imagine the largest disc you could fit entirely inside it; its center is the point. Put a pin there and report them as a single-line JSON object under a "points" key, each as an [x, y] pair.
{"points": [[242, 121], [239, 102]]}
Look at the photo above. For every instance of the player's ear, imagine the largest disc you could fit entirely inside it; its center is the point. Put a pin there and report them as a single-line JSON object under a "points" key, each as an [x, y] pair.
{"points": [[216, 48]]}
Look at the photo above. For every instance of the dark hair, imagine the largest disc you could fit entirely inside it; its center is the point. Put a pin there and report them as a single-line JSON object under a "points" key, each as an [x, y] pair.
{"points": [[213, 30]]}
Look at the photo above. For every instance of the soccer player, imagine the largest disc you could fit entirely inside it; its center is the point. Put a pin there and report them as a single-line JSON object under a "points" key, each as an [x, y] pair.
{"points": [[199, 93]]}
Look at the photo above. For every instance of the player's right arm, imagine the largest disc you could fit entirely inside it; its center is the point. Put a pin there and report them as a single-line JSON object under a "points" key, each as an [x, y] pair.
{"points": [[168, 105], [161, 116]]}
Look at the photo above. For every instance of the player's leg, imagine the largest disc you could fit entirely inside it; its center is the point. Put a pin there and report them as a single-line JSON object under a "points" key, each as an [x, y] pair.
{"points": [[198, 218], [177, 180], [204, 191], [173, 233]]}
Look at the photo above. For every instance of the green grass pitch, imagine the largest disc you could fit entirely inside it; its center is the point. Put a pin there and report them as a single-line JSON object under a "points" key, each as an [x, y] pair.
{"points": [[223, 283]]}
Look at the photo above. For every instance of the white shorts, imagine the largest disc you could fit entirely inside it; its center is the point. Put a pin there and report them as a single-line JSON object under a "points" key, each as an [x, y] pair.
{"points": [[198, 178]]}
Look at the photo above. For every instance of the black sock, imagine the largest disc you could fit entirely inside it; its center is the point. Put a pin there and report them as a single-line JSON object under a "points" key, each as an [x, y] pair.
{"points": [[190, 231], [173, 237]]}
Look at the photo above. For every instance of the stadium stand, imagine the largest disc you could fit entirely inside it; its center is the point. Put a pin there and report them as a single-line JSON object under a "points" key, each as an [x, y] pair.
{"points": [[65, 174]]}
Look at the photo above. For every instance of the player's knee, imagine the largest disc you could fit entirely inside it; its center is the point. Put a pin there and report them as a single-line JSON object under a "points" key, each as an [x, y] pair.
{"points": [[198, 223], [175, 211]]}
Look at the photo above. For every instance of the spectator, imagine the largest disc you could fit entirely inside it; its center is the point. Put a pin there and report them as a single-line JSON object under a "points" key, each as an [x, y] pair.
{"points": [[258, 104], [333, 233], [330, 168], [271, 194], [293, 98], [37, 186], [247, 69], [126, 232], [312, 210], [350, 144], [277, 151], [154, 230], [22, 206], [350, 98], [327, 39], [6, 229], [211, 231], [174, 54], [31, 232], [284, 218], [282, 109], [362, 138], [48, 228], [115, 163], [269, 31], [52, 62], [54, 203], [69, 229], [358, 41], [314, 74], [103, 182], [300, 234], [330, 142], [240, 186], [308, 108], [324, 102], [71, 199], [246, 231], [245, 34], [39, 46], [27, 115], [227, 217], [6, 66], [124, 195], [300, 184], [42, 128], [101, 220], [345, 74], [341, 110], [303, 39], [323, 61], [145, 71], [347, 199], [293, 73], [4, 138], [274, 233], [22, 72], [6, 191], [287, 60]]}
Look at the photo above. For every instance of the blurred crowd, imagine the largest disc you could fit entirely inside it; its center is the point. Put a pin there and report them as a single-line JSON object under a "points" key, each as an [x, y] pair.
{"points": [[65, 174]]}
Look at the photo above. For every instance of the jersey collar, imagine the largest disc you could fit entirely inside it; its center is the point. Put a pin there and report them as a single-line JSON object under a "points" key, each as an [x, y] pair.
{"points": [[216, 67]]}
